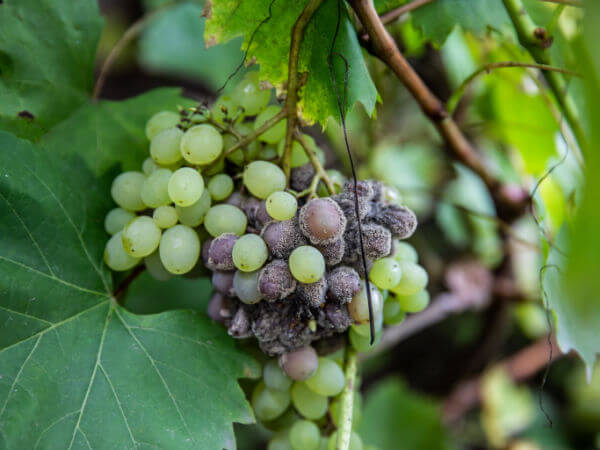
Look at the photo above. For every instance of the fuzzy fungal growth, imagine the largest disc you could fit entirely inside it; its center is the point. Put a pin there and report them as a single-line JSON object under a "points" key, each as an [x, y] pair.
{"points": [[275, 304]]}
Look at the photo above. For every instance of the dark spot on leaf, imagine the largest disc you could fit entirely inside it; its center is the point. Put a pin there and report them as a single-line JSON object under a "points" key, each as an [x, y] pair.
{"points": [[26, 115], [6, 63]]}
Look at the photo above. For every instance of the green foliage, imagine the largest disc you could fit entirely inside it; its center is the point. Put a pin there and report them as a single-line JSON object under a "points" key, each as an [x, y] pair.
{"points": [[47, 51], [271, 46], [75, 364], [172, 43], [396, 419], [108, 133]]}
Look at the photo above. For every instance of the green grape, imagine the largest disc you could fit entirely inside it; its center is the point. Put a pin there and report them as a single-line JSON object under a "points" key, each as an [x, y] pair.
{"points": [[250, 253], [155, 267], [165, 216], [279, 442], [328, 380], [268, 152], [414, 279], [299, 156], [355, 442], [159, 122], [308, 403], [307, 264], [392, 312], [251, 97], [193, 215], [214, 169], [364, 329], [403, 251], [220, 187], [281, 205], [362, 343], [274, 134], [335, 408], [414, 302], [164, 147], [154, 190], [116, 219], [225, 218], [224, 106], [245, 285], [269, 404], [201, 144], [149, 166], [305, 435], [115, 255], [359, 306], [126, 191], [274, 377], [385, 273], [179, 249], [185, 186], [262, 178], [141, 237]]}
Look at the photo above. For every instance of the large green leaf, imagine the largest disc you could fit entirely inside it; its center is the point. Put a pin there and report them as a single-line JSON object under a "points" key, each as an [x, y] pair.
{"points": [[172, 43], [437, 19], [107, 132], [47, 51], [76, 369], [396, 419], [271, 46], [571, 279]]}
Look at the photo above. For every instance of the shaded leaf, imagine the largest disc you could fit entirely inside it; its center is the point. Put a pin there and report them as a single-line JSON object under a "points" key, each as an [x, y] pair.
{"points": [[47, 52], [271, 47], [77, 370], [108, 133], [396, 419], [173, 43]]}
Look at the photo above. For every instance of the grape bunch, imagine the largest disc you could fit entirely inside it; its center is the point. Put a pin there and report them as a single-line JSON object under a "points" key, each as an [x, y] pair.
{"points": [[284, 256]]}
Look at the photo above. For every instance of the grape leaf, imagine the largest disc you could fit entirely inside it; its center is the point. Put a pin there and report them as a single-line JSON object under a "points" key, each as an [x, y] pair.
{"points": [[172, 43], [437, 19], [108, 132], [271, 46], [396, 418], [47, 52], [76, 369]]}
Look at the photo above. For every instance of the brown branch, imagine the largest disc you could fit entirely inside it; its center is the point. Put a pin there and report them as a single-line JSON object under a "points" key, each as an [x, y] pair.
{"points": [[293, 84], [250, 137], [455, 98], [130, 34], [509, 202], [122, 288], [521, 366], [390, 16], [319, 170]]}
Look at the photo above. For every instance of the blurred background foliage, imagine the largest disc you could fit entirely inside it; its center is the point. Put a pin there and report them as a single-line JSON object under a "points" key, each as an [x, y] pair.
{"points": [[410, 390]]}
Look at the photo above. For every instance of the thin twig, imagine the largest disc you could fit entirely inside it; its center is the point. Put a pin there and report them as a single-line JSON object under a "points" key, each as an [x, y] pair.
{"points": [[293, 83], [319, 170], [537, 40], [347, 403], [393, 14], [577, 3], [454, 100], [522, 365], [132, 32], [250, 137], [384, 47], [122, 288]]}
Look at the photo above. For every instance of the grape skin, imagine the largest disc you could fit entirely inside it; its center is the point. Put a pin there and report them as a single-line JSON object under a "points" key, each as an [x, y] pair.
{"points": [[223, 282], [328, 380], [185, 186], [115, 255], [220, 187], [305, 435], [262, 178], [179, 249], [414, 279], [269, 404], [126, 190], [385, 273], [322, 221], [155, 267], [164, 148], [245, 285], [116, 219], [165, 216], [154, 191], [141, 237], [274, 377], [201, 144], [225, 218], [274, 134], [307, 264], [308, 403], [220, 252], [415, 302], [159, 122], [299, 364], [275, 281], [359, 306], [250, 96], [250, 253], [281, 205], [193, 215]]}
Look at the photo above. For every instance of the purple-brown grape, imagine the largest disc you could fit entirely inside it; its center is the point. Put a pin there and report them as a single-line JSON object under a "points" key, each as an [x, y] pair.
{"points": [[275, 281], [322, 221], [299, 364], [220, 252]]}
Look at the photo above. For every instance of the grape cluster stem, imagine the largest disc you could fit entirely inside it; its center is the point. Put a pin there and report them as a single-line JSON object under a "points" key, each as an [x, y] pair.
{"points": [[347, 405]]}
